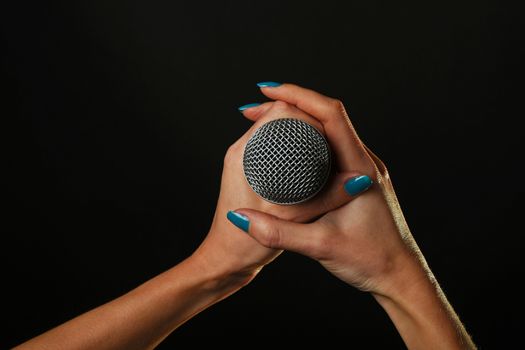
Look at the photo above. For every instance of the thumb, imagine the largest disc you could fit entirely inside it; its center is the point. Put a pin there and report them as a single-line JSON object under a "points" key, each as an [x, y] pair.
{"points": [[273, 232]]}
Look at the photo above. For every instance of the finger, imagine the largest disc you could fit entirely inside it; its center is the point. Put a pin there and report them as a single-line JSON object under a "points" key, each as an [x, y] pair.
{"points": [[275, 233], [276, 110], [253, 111], [349, 150], [342, 188], [381, 170]]}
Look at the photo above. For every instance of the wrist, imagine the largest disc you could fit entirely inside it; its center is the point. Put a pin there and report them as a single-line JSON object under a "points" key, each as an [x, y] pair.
{"points": [[418, 308], [218, 277], [410, 287], [408, 275], [412, 294], [229, 260]]}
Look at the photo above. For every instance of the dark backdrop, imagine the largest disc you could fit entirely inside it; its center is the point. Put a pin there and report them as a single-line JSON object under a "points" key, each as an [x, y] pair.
{"points": [[117, 114]]}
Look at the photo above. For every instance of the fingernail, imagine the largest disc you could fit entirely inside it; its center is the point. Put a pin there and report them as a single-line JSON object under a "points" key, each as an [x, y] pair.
{"points": [[358, 184], [239, 220], [268, 84], [249, 105]]}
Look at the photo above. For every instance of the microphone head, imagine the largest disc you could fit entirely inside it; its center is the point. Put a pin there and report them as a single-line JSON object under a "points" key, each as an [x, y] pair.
{"points": [[286, 161]]}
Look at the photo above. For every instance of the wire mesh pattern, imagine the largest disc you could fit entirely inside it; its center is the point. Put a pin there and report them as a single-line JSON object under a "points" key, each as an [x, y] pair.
{"points": [[286, 161]]}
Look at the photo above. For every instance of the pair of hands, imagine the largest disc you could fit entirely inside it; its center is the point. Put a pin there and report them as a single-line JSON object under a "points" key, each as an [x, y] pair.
{"points": [[362, 239], [359, 236]]}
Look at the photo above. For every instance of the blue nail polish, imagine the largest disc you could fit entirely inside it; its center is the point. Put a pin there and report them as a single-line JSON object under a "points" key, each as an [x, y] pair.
{"points": [[268, 84], [239, 220], [249, 105], [358, 184]]}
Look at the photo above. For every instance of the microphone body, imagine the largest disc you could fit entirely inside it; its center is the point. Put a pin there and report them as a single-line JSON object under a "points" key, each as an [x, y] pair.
{"points": [[287, 161]]}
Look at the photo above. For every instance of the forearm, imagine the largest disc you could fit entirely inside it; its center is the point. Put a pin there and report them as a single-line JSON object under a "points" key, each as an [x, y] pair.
{"points": [[420, 311], [142, 318]]}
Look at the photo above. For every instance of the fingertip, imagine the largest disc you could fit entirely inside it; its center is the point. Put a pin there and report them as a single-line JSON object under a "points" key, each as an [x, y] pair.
{"points": [[357, 185], [239, 220], [249, 110], [268, 84], [253, 111], [250, 114], [273, 90], [248, 106]]}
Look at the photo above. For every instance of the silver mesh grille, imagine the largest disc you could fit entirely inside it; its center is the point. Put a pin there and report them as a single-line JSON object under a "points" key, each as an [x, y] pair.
{"points": [[286, 161]]}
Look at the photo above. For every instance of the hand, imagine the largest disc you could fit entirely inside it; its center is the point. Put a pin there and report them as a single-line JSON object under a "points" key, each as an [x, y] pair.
{"points": [[365, 242], [362, 242], [225, 261], [238, 257]]}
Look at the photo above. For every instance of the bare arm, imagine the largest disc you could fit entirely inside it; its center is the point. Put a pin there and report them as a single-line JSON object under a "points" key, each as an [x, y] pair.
{"points": [[142, 318], [224, 262], [366, 242], [421, 312]]}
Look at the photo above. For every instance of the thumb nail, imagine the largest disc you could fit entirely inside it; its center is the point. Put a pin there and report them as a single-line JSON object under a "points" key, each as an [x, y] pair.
{"points": [[239, 220], [358, 184]]}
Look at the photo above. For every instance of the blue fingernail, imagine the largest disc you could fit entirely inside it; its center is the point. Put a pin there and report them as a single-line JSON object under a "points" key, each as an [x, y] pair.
{"points": [[239, 220], [249, 105], [268, 84], [358, 184]]}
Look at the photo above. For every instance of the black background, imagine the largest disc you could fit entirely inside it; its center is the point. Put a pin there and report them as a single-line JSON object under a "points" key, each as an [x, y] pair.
{"points": [[117, 114]]}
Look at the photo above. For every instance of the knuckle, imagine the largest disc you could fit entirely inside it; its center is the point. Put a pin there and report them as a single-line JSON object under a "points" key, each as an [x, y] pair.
{"points": [[272, 235], [337, 105], [336, 109], [379, 167], [280, 105], [374, 172], [231, 154], [382, 167]]}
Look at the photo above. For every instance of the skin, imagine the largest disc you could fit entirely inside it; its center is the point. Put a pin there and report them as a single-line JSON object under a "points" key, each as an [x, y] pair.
{"points": [[364, 241], [224, 262]]}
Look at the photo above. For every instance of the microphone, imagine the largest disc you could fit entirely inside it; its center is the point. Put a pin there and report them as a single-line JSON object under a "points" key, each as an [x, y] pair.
{"points": [[286, 161]]}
